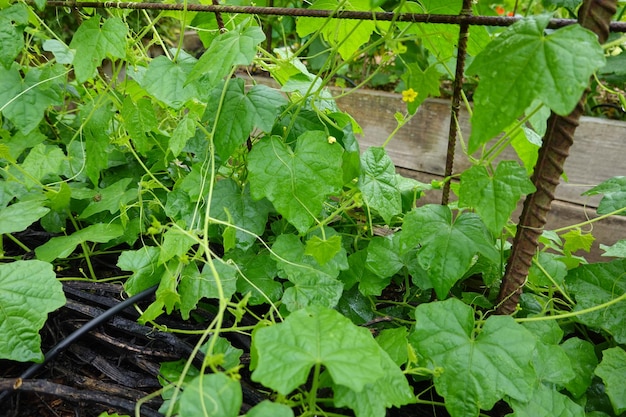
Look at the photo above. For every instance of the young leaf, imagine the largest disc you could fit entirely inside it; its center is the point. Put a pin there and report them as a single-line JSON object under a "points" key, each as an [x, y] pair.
{"points": [[576, 240], [19, 216], [29, 290], [546, 401], [178, 90], [214, 395], [231, 203], [614, 190], [346, 35], [595, 284], [523, 64], [612, 370], [181, 134], [378, 183], [94, 43], [236, 47], [63, 246], [240, 112], [316, 336], [297, 182], [323, 250], [445, 336], [494, 197], [447, 245]]}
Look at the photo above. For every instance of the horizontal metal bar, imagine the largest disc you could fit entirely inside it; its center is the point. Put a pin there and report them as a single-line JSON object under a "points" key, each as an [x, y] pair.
{"points": [[337, 14]]}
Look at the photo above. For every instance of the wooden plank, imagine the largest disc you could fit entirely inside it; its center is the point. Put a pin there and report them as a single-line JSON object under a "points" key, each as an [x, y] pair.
{"points": [[421, 144]]}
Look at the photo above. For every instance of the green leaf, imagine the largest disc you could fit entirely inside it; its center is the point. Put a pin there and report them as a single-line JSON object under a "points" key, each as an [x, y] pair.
{"points": [[395, 343], [424, 83], [316, 336], [614, 190], [177, 90], [576, 240], [63, 246], [267, 408], [93, 43], [379, 184], [230, 203], [182, 133], [258, 277], [595, 284], [547, 270], [98, 115], [617, 250], [227, 356], [471, 359], [24, 101], [111, 198], [523, 64], [552, 364], [139, 118], [144, 265], [240, 112], [44, 161], [448, 245], [313, 283], [323, 250], [214, 395], [546, 401], [195, 285], [383, 255], [583, 359], [346, 35], [176, 243], [612, 370], [29, 290], [19, 216], [392, 390], [494, 197], [62, 53], [236, 47], [296, 181], [12, 41]]}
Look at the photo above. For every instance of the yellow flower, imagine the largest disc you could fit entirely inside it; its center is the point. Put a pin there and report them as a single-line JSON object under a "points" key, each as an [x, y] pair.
{"points": [[332, 139], [409, 95]]}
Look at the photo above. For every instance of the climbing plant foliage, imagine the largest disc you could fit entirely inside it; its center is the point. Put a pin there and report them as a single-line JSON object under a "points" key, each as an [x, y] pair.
{"points": [[252, 200]]}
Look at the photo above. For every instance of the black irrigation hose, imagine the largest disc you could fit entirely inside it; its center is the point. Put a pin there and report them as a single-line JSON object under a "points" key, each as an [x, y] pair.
{"points": [[96, 321]]}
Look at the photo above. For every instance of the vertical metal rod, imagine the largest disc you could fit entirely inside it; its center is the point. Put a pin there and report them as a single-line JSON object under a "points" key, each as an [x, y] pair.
{"points": [[456, 98]]}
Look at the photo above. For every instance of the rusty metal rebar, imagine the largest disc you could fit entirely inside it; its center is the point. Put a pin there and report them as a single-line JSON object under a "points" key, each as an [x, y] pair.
{"points": [[594, 15], [457, 89]]}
